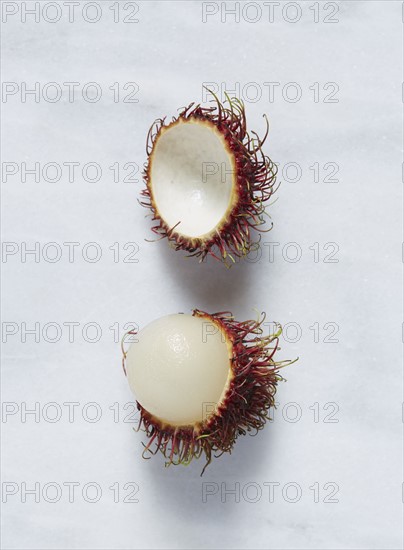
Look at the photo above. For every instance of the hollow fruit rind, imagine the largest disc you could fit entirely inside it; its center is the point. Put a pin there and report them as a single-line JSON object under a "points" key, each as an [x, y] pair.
{"points": [[255, 180]]}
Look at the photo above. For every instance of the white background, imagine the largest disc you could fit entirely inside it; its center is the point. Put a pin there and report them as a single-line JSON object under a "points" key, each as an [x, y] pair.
{"points": [[170, 53]]}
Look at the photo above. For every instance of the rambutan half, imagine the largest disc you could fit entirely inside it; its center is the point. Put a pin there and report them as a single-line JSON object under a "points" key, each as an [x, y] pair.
{"points": [[207, 180], [200, 381]]}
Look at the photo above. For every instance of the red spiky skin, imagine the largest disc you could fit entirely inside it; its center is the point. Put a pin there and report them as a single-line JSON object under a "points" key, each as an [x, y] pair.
{"points": [[244, 408], [255, 184]]}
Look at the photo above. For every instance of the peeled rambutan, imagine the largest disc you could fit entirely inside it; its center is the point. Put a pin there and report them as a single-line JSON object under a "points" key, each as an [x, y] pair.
{"points": [[207, 180], [200, 381]]}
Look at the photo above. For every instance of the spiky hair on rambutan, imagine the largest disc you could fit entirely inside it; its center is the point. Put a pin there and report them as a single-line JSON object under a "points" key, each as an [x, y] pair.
{"points": [[199, 402], [207, 180]]}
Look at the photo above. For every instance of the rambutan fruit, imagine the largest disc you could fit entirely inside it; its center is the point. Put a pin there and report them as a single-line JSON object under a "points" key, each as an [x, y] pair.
{"points": [[200, 381], [207, 180]]}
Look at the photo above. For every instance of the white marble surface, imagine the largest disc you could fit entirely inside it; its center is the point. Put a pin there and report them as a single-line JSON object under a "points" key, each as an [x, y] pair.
{"points": [[169, 53]]}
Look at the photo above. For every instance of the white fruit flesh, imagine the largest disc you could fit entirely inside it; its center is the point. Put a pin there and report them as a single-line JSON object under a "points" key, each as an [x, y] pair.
{"points": [[179, 368], [192, 177]]}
